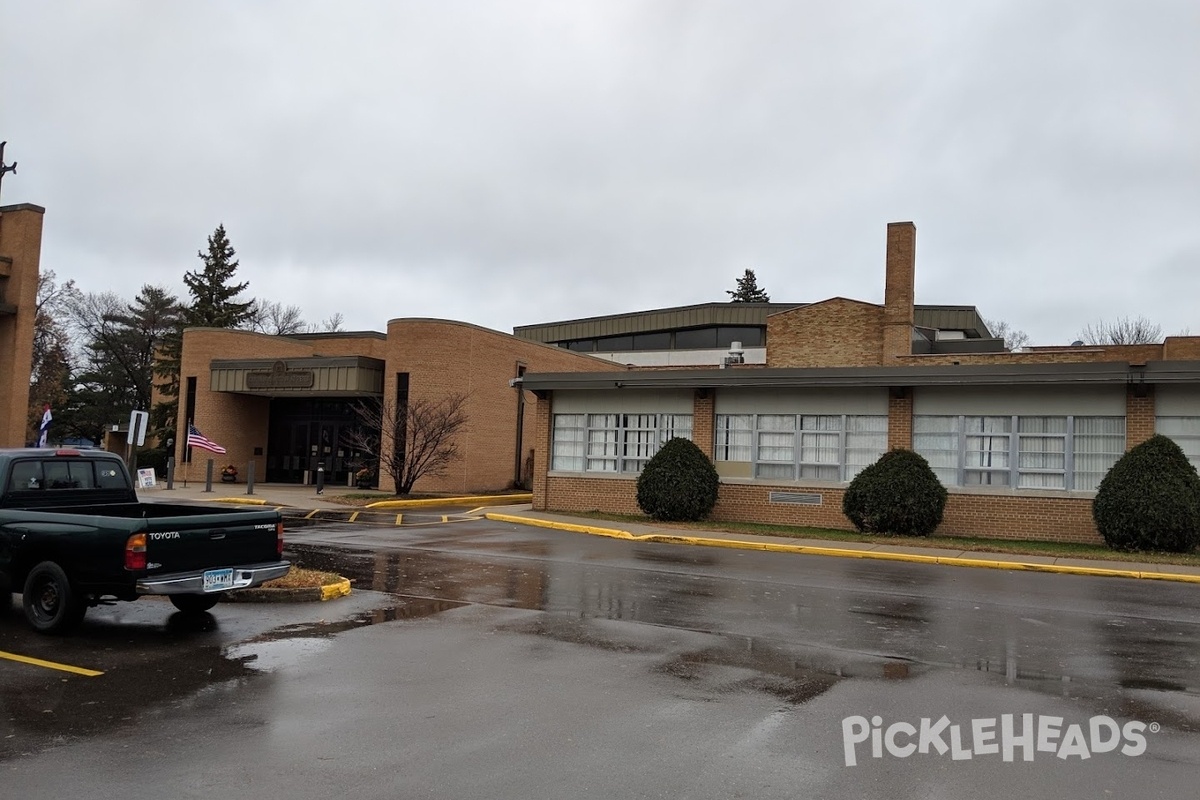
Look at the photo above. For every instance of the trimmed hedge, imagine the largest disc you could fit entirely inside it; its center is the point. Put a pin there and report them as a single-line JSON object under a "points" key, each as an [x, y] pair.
{"points": [[898, 494], [678, 484], [1150, 500]]}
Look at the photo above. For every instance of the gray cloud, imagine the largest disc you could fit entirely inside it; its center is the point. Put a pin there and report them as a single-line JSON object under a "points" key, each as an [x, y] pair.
{"points": [[511, 163]]}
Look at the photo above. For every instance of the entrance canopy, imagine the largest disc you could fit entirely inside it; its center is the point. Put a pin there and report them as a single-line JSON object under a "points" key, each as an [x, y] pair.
{"points": [[344, 376]]}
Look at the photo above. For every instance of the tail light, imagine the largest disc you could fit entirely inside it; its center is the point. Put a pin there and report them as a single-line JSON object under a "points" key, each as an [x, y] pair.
{"points": [[135, 552], [279, 539]]}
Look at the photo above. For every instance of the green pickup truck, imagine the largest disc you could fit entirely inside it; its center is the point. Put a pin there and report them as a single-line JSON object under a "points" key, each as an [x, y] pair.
{"points": [[73, 535]]}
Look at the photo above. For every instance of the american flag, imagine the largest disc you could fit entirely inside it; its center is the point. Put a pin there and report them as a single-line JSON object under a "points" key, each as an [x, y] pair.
{"points": [[196, 439]]}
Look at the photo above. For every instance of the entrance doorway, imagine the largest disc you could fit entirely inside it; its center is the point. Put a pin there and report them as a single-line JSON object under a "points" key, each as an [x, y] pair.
{"points": [[308, 433]]}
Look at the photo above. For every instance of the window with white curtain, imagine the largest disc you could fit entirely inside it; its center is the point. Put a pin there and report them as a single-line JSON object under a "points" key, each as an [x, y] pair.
{"points": [[1028, 452], [833, 447], [603, 439], [1185, 432], [734, 433], [568, 442], [612, 442], [1097, 443], [775, 442]]}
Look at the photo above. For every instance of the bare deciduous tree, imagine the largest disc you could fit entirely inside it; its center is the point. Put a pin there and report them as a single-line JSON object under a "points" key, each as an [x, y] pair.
{"points": [[412, 441], [1123, 331], [267, 316], [333, 324], [1013, 338]]}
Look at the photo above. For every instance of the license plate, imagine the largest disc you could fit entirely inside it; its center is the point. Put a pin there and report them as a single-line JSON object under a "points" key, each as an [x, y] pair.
{"points": [[217, 579]]}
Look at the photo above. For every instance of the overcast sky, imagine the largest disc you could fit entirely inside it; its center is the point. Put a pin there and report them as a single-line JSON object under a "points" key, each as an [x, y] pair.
{"points": [[510, 163]]}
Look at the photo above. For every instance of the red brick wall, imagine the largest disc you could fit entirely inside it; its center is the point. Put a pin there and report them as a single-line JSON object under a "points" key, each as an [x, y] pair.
{"points": [[1181, 348], [1052, 519], [20, 249], [541, 452], [832, 333], [1132, 353], [899, 290], [444, 356], [900, 404], [703, 420], [1139, 416], [440, 357], [237, 422]]}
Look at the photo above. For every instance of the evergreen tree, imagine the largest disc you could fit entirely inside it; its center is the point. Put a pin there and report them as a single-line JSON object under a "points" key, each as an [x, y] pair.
{"points": [[747, 290], [123, 341], [214, 295], [214, 304]]}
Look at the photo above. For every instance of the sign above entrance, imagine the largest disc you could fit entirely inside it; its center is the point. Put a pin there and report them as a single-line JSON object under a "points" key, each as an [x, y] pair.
{"points": [[280, 377]]}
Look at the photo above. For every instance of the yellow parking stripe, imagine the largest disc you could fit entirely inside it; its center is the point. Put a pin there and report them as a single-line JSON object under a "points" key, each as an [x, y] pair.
{"points": [[398, 518], [354, 516], [37, 662]]}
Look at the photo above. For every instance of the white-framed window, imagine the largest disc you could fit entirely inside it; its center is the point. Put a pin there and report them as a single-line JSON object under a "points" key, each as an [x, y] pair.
{"points": [[1185, 432], [612, 442], [1028, 452], [735, 434], [568, 443], [833, 447]]}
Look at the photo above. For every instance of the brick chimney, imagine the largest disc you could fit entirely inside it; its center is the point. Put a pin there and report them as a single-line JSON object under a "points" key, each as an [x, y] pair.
{"points": [[899, 290]]}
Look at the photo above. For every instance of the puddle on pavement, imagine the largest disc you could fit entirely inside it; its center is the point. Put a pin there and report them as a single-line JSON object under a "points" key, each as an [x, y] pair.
{"points": [[886, 639]]}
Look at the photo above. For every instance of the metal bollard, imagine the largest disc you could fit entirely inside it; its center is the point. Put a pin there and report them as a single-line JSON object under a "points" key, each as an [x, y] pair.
{"points": [[208, 471], [250, 478], [321, 478], [170, 472]]}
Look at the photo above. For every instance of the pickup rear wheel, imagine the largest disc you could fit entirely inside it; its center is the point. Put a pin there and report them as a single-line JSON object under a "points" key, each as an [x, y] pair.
{"points": [[194, 603], [51, 603]]}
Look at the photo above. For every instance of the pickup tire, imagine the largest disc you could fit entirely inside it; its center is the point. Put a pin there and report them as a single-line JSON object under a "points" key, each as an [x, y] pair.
{"points": [[51, 603], [194, 603]]}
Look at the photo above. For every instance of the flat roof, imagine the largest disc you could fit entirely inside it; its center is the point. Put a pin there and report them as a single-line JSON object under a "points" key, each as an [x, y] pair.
{"points": [[944, 317], [1083, 374]]}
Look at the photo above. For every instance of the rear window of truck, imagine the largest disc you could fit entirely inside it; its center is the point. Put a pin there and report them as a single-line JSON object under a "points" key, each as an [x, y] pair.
{"points": [[64, 474]]}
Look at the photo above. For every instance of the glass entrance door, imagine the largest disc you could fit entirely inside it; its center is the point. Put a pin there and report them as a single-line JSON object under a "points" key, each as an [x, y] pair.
{"points": [[307, 433]]}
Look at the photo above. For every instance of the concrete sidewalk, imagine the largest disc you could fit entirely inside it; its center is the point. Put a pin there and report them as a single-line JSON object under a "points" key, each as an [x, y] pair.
{"points": [[269, 494], [278, 495]]}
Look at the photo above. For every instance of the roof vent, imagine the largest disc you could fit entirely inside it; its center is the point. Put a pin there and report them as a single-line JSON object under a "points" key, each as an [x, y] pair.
{"points": [[736, 355]]}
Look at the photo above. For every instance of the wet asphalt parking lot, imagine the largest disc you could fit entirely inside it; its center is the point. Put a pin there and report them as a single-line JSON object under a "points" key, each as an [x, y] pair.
{"points": [[485, 660]]}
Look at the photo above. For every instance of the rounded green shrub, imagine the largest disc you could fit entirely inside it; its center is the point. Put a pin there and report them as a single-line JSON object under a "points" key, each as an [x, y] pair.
{"points": [[679, 484], [898, 494], [1150, 500]]}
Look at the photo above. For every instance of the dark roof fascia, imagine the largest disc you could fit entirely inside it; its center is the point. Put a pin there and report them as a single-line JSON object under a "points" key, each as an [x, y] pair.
{"points": [[309, 337], [1167, 371], [832, 377], [634, 321], [305, 362], [637, 314]]}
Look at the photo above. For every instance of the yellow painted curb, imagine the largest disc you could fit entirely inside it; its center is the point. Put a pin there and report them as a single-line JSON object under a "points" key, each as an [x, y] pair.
{"points": [[339, 589], [839, 552], [443, 501], [245, 501]]}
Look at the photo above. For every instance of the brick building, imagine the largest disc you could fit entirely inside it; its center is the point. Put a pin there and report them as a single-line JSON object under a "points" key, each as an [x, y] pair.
{"points": [[286, 403], [1021, 439], [20, 252]]}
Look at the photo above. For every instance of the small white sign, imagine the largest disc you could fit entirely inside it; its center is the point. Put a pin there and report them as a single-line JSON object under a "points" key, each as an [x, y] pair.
{"points": [[138, 422], [146, 478]]}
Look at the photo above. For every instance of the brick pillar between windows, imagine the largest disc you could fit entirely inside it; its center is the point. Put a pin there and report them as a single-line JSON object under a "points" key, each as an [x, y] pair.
{"points": [[900, 419], [1139, 416], [702, 421], [541, 454]]}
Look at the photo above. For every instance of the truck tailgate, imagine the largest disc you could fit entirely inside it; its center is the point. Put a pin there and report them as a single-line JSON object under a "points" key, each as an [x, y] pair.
{"points": [[183, 544]]}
